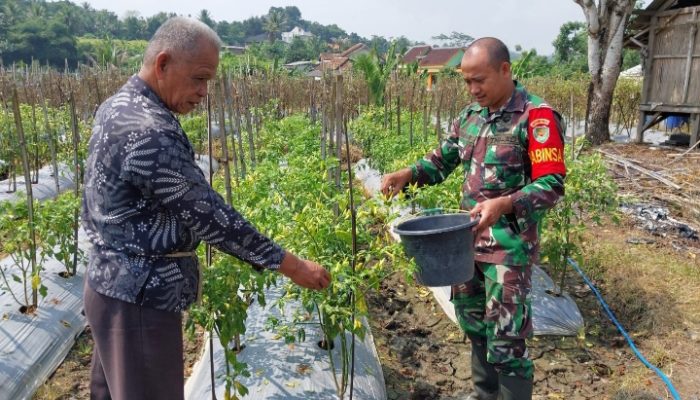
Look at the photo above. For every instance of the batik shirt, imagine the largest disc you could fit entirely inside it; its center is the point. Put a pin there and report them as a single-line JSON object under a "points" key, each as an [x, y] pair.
{"points": [[516, 151], [146, 200]]}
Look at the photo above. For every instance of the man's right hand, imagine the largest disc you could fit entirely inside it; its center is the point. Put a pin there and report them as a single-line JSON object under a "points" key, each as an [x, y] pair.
{"points": [[305, 273], [394, 182]]}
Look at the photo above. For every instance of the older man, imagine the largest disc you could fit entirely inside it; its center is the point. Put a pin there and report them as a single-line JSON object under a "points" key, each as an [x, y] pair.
{"points": [[510, 146], [146, 207]]}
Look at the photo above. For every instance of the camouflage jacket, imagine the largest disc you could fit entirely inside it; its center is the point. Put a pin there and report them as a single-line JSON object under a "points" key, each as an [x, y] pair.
{"points": [[146, 199], [516, 151]]}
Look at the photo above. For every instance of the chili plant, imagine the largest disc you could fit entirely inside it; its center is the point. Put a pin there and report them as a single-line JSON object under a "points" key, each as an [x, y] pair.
{"points": [[16, 234], [590, 195], [228, 287]]}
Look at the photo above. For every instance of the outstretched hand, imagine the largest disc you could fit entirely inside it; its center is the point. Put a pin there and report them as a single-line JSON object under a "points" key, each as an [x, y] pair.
{"points": [[394, 182], [305, 273]]}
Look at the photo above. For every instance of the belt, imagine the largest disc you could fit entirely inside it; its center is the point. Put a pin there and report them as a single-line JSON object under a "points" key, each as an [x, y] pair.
{"points": [[181, 254]]}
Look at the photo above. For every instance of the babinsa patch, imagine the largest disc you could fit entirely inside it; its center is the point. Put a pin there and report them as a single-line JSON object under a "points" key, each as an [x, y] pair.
{"points": [[540, 129]]}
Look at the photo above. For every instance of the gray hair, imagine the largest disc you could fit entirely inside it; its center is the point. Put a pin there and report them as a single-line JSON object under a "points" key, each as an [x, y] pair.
{"points": [[179, 35]]}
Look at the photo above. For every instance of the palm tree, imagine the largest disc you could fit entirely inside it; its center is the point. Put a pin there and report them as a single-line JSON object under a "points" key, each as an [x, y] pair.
{"points": [[12, 12], [273, 24], [377, 71], [37, 9]]}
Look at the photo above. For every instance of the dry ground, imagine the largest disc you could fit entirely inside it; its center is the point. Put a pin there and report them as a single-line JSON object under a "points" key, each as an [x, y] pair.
{"points": [[653, 287]]}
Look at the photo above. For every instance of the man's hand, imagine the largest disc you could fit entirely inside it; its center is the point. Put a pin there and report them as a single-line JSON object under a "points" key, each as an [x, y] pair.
{"points": [[394, 182], [304, 273], [490, 211]]}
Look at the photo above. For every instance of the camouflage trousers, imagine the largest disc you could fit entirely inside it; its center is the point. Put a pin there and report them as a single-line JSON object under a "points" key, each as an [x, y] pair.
{"points": [[495, 304]]}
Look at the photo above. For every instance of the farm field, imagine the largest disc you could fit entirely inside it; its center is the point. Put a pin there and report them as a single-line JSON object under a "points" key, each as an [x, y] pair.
{"points": [[295, 166]]}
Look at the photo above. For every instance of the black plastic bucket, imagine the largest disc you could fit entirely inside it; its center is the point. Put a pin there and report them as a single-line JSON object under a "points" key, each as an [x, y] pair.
{"points": [[442, 246]]}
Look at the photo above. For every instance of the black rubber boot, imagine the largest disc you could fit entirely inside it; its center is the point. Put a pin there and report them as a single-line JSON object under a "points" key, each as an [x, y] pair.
{"points": [[514, 388], [484, 376]]}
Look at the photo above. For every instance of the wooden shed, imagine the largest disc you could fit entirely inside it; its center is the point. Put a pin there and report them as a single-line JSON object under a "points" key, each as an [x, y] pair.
{"points": [[667, 33]]}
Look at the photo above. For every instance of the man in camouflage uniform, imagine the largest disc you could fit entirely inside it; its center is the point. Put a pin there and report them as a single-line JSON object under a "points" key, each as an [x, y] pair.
{"points": [[510, 146]]}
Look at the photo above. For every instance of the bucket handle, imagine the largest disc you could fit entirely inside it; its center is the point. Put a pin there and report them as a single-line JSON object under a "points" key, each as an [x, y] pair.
{"points": [[432, 211]]}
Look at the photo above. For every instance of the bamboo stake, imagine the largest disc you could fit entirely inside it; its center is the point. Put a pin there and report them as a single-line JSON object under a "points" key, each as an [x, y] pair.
{"points": [[51, 139], [248, 122], [239, 133], [30, 197], [228, 98], [76, 164], [223, 141], [412, 111]]}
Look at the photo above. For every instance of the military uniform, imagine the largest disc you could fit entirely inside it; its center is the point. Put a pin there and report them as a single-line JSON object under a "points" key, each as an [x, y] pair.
{"points": [[516, 151]]}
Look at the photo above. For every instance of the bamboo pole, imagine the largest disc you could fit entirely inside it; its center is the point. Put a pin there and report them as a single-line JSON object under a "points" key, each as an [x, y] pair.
{"points": [[51, 139], [76, 165], [223, 141], [248, 121], [30, 198], [239, 132], [412, 110], [228, 100]]}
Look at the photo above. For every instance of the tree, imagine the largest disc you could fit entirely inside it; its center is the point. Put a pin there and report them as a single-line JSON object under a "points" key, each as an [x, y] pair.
{"points": [[299, 50], [134, 26], [106, 23], [606, 26], [292, 16], [571, 50], [377, 71], [454, 39], [205, 17], [571, 43], [273, 24], [402, 44], [529, 64], [380, 44], [155, 21], [49, 42]]}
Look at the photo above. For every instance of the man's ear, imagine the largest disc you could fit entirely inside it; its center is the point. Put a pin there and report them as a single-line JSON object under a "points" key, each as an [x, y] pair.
{"points": [[162, 63], [505, 68]]}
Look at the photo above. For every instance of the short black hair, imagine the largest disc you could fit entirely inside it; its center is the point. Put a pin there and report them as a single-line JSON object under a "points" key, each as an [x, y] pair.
{"points": [[497, 50]]}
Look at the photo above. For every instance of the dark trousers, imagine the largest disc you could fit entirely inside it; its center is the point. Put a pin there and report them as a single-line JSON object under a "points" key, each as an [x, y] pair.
{"points": [[137, 353]]}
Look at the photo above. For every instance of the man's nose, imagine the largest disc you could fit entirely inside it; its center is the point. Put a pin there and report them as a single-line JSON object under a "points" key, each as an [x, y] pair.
{"points": [[202, 90]]}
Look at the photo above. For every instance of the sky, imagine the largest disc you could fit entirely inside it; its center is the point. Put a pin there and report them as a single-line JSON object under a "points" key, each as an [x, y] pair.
{"points": [[530, 24]]}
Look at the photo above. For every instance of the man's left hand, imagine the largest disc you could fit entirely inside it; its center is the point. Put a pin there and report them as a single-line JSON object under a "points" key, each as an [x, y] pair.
{"points": [[490, 211]]}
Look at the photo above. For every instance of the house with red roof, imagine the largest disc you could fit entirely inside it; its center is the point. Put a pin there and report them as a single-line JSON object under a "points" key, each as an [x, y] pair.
{"points": [[433, 60]]}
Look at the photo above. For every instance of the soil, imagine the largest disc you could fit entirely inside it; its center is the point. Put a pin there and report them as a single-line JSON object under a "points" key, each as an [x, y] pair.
{"points": [[71, 379], [424, 354]]}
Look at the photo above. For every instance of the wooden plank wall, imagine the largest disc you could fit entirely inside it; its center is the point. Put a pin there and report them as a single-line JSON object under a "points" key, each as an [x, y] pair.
{"points": [[674, 76]]}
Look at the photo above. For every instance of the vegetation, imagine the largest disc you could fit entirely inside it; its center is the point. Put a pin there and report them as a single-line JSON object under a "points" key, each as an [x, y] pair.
{"points": [[304, 221], [60, 33]]}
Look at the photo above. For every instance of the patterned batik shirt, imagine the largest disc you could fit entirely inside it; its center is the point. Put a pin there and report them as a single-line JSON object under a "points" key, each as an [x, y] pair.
{"points": [[516, 151], [146, 200]]}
